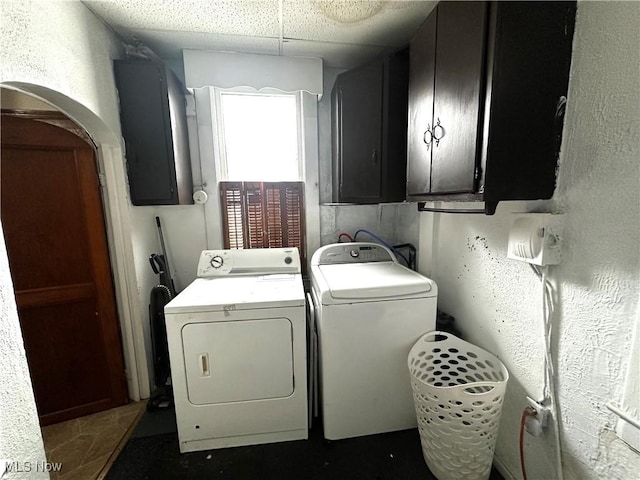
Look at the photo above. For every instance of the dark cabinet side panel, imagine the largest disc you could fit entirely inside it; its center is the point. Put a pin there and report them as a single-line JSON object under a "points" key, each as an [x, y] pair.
{"points": [[421, 77], [530, 77], [144, 112], [335, 142], [458, 90], [359, 149], [394, 127], [180, 138]]}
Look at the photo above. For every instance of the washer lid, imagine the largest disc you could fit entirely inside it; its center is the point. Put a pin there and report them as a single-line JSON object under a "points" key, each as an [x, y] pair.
{"points": [[375, 281], [239, 293]]}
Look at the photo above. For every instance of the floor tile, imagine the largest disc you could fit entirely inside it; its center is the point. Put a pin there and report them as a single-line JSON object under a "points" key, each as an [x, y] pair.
{"points": [[86, 445]]}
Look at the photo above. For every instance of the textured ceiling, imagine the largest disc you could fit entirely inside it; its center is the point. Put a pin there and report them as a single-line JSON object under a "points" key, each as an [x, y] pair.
{"points": [[344, 33]]}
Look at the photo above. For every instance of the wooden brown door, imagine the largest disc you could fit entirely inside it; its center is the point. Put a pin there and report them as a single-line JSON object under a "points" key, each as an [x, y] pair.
{"points": [[55, 234]]}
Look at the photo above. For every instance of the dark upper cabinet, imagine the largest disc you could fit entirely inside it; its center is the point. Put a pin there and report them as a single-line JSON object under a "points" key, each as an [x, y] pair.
{"points": [[487, 88], [357, 106], [153, 118], [369, 115]]}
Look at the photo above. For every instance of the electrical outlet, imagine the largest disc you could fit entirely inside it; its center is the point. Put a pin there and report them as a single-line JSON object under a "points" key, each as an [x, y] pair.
{"points": [[542, 411], [535, 424]]}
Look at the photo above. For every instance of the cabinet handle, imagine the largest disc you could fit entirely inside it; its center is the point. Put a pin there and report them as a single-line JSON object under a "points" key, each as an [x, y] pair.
{"points": [[436, 137], [428, 139], [374, 156]]}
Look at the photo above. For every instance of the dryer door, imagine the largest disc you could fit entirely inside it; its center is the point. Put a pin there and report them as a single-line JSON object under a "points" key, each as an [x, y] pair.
{"points": [[237, 361]]}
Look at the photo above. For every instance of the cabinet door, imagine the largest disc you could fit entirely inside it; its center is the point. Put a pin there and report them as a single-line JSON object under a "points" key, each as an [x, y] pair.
{"points": [[457, 104], [360, 120], [421, 76]]}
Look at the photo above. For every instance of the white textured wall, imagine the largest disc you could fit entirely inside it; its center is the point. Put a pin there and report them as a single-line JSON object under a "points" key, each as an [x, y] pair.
{"points": [[63, 46], [20, 438], [599, 189], [395, 223], [497, 302], [184, 236]]}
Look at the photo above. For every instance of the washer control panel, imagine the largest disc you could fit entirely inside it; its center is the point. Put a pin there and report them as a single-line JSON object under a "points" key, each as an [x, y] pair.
{"points": [[356, 252], [257, 261]]}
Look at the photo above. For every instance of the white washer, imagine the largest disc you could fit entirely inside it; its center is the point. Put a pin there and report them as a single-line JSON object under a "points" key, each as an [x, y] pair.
{"points": [[237, 346], [370, 310]]}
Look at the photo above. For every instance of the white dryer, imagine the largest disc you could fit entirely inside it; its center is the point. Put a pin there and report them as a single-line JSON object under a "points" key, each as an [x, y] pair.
{"points": [[370, 310], [237, 346]]}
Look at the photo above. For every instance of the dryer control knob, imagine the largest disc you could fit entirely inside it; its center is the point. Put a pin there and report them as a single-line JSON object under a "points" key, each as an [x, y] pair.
{"points": [[288, 260], [354, 253], [217, 261]]}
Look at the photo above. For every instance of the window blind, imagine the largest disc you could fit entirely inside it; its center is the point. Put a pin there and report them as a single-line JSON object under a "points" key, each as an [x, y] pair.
{"points": [[263, 215]]}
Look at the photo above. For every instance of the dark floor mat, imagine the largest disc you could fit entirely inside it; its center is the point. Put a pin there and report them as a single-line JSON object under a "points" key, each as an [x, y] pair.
{"points": [[157, 422], [387, 456]]}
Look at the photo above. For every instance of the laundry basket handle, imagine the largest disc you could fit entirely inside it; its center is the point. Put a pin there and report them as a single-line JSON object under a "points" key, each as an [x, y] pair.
{"points": [[432, 337], [465, 388]]}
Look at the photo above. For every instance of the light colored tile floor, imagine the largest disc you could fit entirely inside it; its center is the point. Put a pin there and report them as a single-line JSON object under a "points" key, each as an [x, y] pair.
{"points": [[86, 446]]}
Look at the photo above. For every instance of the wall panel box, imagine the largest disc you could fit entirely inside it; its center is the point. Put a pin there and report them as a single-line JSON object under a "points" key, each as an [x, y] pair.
{"points": [[154, 127]]}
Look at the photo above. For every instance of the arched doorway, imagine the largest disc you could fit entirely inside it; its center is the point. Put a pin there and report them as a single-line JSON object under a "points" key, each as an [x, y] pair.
{"points": [[118, 223], [54, 229]]}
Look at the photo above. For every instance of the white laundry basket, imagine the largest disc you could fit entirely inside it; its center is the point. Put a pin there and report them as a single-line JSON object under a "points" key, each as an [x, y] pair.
{"points": [[458, 391]]}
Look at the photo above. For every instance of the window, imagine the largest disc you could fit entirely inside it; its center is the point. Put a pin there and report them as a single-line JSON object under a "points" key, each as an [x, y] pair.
{"points": [[262, 197], [259, 137]]}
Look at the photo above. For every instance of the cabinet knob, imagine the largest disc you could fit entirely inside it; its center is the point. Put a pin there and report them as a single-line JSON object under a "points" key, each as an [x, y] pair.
{"points": [[428, 136], [436, 137]]}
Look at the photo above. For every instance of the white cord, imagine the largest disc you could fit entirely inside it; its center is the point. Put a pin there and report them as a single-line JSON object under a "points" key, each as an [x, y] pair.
{"points": [[547, 306], [548, 310]]}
